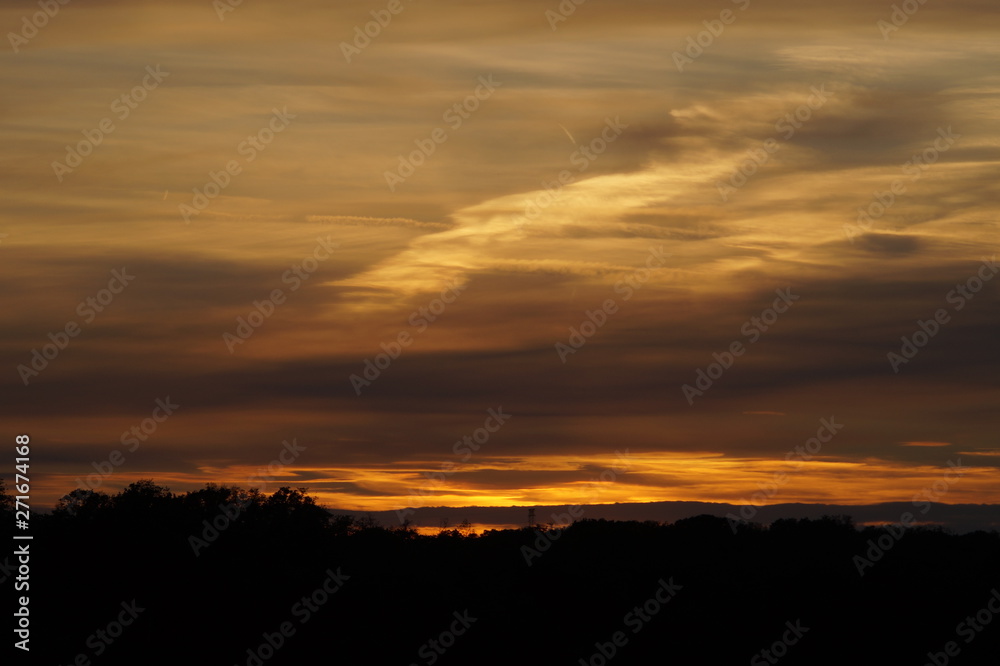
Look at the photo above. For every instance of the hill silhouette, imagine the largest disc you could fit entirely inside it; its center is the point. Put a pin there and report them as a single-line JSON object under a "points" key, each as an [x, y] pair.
{"points": [[959, 518]]}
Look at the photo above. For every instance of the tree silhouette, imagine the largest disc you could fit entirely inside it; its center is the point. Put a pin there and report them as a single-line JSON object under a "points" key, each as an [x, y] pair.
{"points": [[208, 500], [84, 504], [6, 501], [585, 578], [142, 494]]}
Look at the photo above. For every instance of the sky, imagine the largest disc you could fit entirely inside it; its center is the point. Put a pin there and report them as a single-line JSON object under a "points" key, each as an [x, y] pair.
{"points": [[504, 253]]}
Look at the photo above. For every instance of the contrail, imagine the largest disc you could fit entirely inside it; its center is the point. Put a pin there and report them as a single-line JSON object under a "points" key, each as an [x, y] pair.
{"points": [[567, 133]]}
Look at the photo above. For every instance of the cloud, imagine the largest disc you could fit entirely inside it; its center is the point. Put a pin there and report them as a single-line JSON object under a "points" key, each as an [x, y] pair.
{"points": [[376, 222], [535, 233]]}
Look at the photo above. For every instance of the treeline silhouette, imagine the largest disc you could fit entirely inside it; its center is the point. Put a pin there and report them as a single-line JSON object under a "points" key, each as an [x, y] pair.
{"points": [[352, 591]]}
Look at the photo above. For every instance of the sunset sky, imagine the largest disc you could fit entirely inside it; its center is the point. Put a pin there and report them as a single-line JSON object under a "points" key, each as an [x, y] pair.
{"points": [[461, 190]]}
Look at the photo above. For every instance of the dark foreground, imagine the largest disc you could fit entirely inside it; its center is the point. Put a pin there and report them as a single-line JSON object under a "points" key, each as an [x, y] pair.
{"points": [[142, 578]]}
